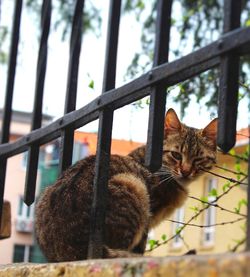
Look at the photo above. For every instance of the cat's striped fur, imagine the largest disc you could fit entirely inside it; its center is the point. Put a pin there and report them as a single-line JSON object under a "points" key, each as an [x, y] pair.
{"points": [[137, 199]]}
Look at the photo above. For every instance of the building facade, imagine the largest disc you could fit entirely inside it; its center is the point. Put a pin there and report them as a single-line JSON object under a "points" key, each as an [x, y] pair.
{"points": [[21, 246]]}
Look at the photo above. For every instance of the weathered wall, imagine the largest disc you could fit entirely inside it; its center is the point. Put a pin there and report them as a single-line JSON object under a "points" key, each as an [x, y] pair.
{"points": [[228, 265]]}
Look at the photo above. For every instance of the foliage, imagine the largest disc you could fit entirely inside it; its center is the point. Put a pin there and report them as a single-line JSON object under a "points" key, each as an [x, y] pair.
{"points": [[62, 16], [194, 24], [3, 34], [64, 11], [197, 23]]}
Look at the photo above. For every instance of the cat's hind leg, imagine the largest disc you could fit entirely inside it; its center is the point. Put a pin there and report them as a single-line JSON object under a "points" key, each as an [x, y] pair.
{"points": [[128, 212]]}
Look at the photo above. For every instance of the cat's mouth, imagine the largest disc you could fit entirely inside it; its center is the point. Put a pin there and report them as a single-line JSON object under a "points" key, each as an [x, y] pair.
{"points": [[184, 181], [168, 175]]}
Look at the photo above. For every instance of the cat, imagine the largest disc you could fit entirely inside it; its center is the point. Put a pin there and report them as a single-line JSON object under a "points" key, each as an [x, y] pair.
{"points": [[138, 200]]}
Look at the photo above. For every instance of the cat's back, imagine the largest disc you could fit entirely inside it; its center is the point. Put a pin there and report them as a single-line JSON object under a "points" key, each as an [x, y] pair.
{"points": [[64, 209], [76, 183], [79, 177]]}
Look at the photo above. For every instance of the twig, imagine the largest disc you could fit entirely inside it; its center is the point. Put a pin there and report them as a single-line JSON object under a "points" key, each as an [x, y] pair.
{"points": [[230, 188], [208, 225], [235, 248], [181, 228], [231, 171], [235, 156], [243, 135], [158, 244], [217, 206], [244, 86], [184, 242], [226, 178]]}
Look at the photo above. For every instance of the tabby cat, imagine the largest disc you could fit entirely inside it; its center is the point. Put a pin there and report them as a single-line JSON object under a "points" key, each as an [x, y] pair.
{"points": [[138, 200]]}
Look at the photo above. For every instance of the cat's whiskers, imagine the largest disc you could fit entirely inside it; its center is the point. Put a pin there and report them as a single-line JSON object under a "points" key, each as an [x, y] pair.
{"points": [[164, 174], [167, 178]]}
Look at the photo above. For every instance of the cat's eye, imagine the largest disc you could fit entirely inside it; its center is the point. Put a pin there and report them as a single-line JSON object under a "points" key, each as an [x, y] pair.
{"points": [[176, 155]]}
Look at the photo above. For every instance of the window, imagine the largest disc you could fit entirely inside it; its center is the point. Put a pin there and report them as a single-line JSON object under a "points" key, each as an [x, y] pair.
{"points": [[80, 150], [178, 217], [24, 211], [24, 160], [209, 214], [25, 217], [22, 253]]}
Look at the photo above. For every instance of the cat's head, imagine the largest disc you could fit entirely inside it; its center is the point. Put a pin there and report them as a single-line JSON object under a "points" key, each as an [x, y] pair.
{"points": [[187, 151]]}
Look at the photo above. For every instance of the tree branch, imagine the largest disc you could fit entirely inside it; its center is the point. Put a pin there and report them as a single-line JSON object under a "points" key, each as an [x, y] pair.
{"points": [[231, 171], [217, 206], [158, 244], [235, 248], [235, 156], [209, 225], [226, 178]]}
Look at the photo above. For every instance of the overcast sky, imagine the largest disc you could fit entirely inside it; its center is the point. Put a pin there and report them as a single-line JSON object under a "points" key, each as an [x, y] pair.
{"points": [[129, 122]]}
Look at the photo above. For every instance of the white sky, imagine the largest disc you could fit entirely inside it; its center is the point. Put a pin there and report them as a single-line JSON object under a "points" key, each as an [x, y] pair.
{"points": [[129, 123]]}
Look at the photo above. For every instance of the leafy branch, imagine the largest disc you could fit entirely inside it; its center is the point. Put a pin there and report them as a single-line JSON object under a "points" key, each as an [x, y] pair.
{"points": [[208, 225], [226, 178], [206, 204], [217, 206], [231, 171], [239, 157], [238, 244]]}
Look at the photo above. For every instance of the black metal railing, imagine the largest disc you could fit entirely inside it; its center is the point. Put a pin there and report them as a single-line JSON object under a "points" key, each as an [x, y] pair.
{"points": [[223, 53]]}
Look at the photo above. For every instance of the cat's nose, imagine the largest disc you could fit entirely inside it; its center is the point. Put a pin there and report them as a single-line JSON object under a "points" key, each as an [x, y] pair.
{"points": [[185, 172]]}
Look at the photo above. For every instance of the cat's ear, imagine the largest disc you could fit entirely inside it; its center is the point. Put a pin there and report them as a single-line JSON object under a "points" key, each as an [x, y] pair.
{"points": [[210, 132], [172, 122]]}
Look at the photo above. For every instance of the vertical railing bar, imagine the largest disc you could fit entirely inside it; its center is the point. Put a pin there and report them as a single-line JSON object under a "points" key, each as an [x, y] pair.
{"points": [[11, 72], [7, 111], [33, 153], [95, 248], [153, 157], [229, 85], [248, 199], [71, 90]]}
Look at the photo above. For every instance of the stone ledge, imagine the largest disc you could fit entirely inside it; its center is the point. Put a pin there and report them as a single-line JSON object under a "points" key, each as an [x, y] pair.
{"points": [[226, 265]]}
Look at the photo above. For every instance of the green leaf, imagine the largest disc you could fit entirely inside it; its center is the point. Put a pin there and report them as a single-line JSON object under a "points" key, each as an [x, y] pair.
{"points": [[91, 84], [226, 186], [213, 192], [152, 243], [237, 210], [204, 199], [247, 24], [178, 230], [194, 208], [163, 237], [140, 5], [242, 202], [237, 167], [232, 152]]}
